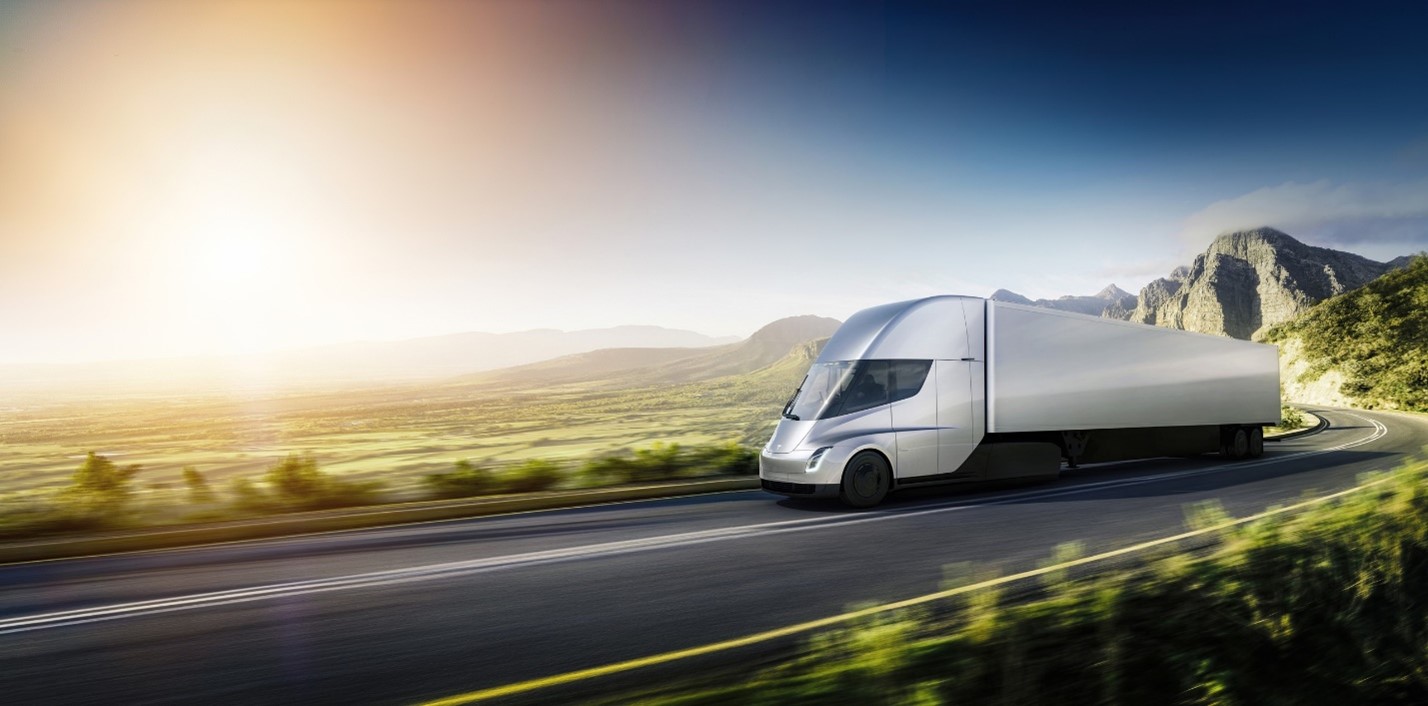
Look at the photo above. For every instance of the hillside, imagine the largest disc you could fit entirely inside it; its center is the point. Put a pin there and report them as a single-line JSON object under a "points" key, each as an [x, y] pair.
{"points": [[627, 368], [1367, 347]]}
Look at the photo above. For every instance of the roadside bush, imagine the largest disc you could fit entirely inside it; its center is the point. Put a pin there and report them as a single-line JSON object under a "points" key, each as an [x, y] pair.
{"points": [[1290, 418], [465, 480], [199, 491], [296, 483], [669, 461], [97, 498], [532, 476], [1324, 607], [729, 458]]}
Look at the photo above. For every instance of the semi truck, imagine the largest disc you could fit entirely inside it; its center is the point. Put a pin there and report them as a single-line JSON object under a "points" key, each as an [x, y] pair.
{"points": [[951, 389]]}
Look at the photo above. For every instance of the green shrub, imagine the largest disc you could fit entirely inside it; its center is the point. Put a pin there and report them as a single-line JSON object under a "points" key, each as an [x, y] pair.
{"points": [[1290, 418], [296, 483], [199, 491], [729, 458], [98, 475], [1324, 607], [532, 476], [669, 461], [465, 480], [97, 498]]}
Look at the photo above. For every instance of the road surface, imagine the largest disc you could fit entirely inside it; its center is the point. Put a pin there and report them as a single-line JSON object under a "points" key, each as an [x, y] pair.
{"points": [[404, 614]]}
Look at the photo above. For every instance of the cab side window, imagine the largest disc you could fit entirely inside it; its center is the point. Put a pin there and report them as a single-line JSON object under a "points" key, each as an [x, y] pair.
{"points": [[867, 389], [906, 377]]}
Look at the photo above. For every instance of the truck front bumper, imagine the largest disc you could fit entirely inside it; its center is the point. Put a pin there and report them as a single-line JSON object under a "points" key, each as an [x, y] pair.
{"points": [[788, 474]]}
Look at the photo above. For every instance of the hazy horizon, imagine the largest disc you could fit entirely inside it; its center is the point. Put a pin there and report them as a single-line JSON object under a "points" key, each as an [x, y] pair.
{"points": [[216, 178]]}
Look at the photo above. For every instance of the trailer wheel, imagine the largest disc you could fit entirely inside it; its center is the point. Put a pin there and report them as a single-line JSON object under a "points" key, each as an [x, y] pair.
{"points": [[1238, 445], [866, 480], [1256, 442]]}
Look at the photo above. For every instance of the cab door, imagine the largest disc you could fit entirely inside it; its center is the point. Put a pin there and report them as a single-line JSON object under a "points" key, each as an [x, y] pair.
{"points": [[913, 397], [956, 433]]}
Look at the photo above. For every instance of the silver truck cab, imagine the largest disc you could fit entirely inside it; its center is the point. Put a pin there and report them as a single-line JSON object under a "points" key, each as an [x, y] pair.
{"points": [[896, 394]]}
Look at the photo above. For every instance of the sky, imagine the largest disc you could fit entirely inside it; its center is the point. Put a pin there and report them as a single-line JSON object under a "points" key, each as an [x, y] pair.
{"points": [[193, 177]]}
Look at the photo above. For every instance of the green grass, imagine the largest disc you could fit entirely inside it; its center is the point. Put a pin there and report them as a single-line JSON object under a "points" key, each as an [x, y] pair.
{"points": [[1322, 607], [379, 445]]}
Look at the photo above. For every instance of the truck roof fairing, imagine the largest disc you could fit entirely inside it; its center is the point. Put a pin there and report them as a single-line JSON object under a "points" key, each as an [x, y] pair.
{"points": [[948, 327]]}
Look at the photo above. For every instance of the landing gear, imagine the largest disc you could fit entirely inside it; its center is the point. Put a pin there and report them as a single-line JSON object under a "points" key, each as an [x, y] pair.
{"points": [[1073, 445]]}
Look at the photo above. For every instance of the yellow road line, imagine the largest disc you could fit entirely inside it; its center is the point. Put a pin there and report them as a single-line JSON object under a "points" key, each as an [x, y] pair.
{"points": [[676, 655]]}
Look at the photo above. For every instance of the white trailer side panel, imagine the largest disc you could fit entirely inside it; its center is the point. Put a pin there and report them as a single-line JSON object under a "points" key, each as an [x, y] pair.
{"points": [[1049, 370]]}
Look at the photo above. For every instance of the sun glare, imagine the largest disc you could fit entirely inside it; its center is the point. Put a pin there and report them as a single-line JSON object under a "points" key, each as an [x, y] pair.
{"points": [[232, 260]]}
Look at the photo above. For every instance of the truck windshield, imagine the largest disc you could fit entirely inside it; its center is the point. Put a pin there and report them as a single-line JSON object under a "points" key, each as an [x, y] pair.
{"points": [[847, 386]]}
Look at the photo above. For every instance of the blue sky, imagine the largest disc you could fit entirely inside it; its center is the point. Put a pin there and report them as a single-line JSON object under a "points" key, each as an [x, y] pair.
{"points": [[216, 177]]}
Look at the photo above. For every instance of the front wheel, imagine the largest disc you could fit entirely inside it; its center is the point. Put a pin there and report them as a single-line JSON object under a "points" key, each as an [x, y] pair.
{"points": [[866, 480]]}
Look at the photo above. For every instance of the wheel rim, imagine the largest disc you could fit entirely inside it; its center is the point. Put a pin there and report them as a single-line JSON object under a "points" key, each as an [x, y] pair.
{"points": [[867, 479]]}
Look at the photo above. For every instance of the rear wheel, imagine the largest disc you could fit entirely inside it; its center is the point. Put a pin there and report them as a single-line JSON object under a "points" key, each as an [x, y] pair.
{"points": [[1236, 444], [1256, 442], [866, 480]]}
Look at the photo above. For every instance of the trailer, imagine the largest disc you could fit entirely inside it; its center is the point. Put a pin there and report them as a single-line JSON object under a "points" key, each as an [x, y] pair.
{"points": [[957, 389]]}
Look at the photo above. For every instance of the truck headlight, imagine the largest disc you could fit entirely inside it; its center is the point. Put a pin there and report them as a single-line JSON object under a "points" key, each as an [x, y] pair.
{"points": [[816, 458]]}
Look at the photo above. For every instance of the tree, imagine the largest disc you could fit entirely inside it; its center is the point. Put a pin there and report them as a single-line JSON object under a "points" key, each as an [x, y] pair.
{"points": [[99, 476], [297, 477], [198, 488]]}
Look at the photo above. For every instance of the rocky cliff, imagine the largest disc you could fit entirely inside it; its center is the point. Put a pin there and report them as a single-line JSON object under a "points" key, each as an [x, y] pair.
{"points": [[1249, 280]]}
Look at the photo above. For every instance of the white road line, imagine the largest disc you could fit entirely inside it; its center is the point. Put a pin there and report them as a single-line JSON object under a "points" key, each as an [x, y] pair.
{"points": [[462, 568]]}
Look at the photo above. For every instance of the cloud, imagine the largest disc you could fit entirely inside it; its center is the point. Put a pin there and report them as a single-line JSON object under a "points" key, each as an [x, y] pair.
{"points": [[1348, 214]]}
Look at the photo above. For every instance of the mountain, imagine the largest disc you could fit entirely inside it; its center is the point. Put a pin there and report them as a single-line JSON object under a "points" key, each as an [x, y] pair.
{"points": [[1111, 301], [624, 367], [1249, 280], [1367, 347], [431, 357]]}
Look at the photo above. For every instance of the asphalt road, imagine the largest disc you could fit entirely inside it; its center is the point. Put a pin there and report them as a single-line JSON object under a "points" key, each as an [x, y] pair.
{"points": [[403, 614]]}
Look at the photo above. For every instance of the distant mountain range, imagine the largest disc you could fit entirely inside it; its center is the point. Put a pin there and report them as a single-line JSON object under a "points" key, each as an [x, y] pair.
{"points": [[637, 367], [1110, 299], [1245, 282], [427, 358]]}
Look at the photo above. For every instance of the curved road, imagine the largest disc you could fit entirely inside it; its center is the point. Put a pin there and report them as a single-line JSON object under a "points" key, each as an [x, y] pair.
{"points": [[416, 612]]}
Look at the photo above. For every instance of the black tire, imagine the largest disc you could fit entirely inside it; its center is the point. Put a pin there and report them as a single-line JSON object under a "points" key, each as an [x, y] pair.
{"points": [[1256, 442], [866, 480], [1238, 446]]}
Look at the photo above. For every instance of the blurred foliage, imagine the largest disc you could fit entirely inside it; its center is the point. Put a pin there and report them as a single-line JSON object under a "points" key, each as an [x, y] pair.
{"points": [[657, 462], [1377, 336], [96, 498], [671, 461], [532, 476], [1322, 607], [199, 492], [465, 480], [296, 483]]}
